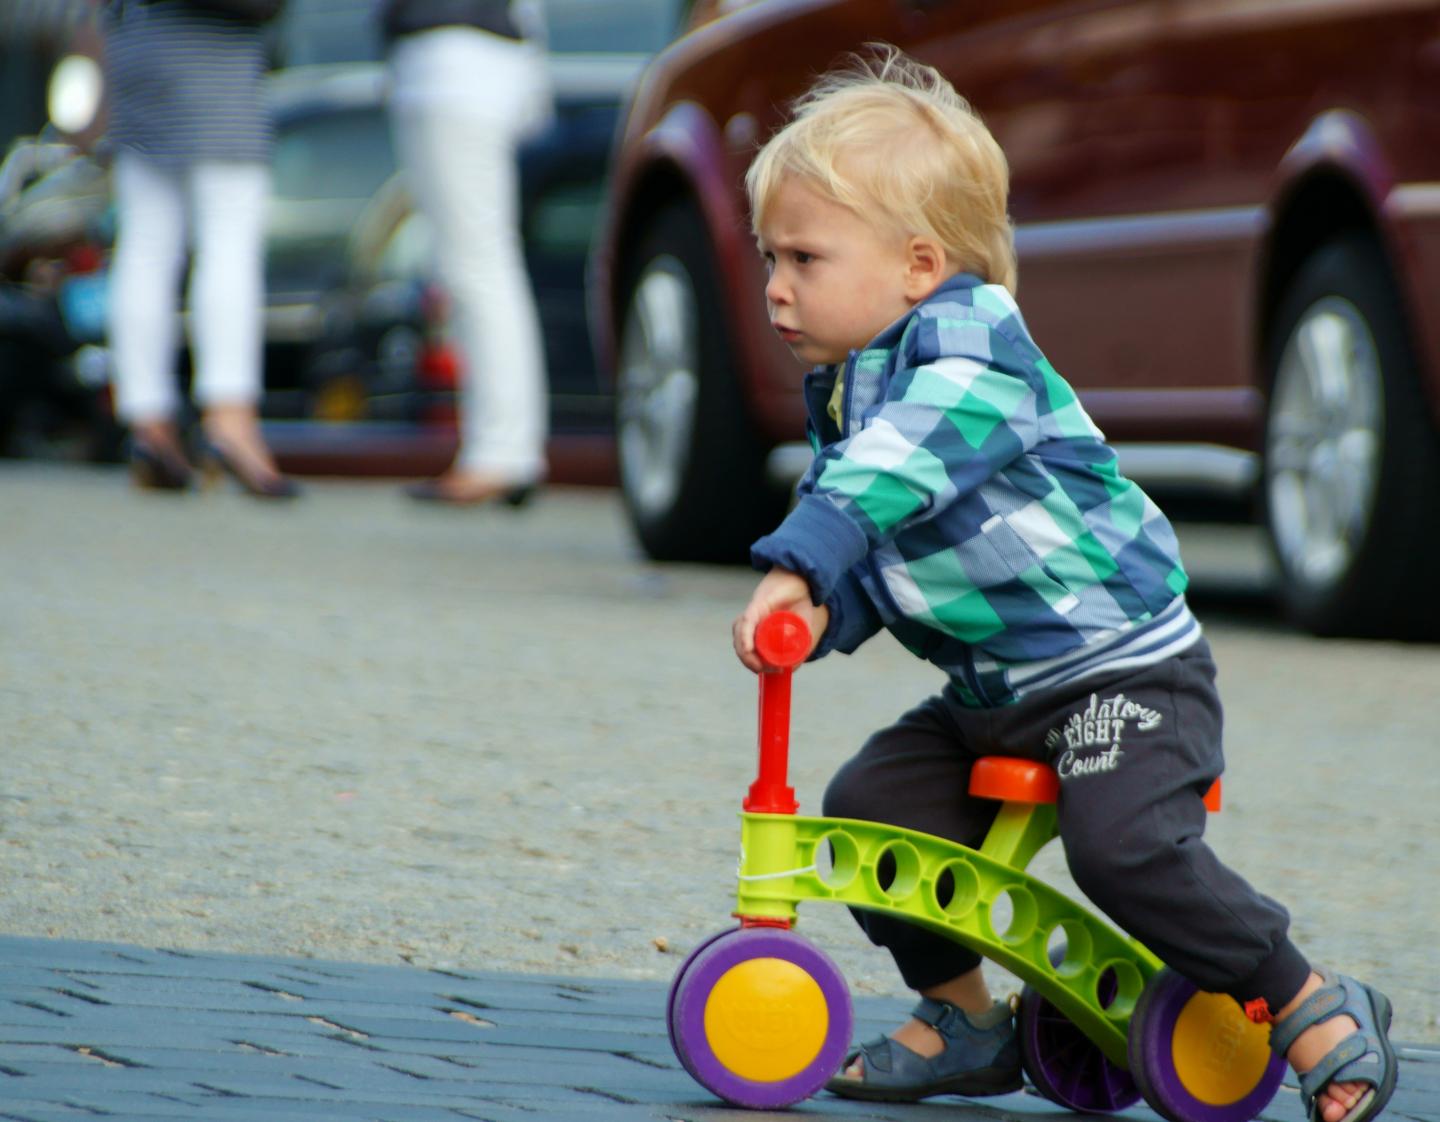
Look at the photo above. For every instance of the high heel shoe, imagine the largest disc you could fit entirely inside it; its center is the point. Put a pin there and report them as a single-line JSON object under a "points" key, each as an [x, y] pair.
{"points": [[218, 462], [435, 491], [158, 469]]}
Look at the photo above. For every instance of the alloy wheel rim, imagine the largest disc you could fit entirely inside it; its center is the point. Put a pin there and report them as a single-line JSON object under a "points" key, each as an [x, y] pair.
{"points": [[659, 385], [1324, 442]]}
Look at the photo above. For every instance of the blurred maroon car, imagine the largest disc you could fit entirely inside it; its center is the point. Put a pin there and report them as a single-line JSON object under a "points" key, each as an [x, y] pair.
{"points": [[1228, 218]]}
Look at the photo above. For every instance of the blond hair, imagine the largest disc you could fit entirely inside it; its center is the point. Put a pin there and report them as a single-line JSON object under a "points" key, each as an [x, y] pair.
{"points": [[890, 139]]}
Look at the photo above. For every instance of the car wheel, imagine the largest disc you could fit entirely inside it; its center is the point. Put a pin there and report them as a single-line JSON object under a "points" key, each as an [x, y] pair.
{"points": [[1352, 462], [692, 471]]}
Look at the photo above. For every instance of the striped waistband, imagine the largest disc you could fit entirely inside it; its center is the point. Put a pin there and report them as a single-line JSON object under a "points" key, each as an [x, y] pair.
{"points": [[1145, 644]]}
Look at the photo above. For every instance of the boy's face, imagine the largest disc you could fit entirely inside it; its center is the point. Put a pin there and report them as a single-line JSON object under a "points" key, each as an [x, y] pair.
{"points": [[835, 281]]}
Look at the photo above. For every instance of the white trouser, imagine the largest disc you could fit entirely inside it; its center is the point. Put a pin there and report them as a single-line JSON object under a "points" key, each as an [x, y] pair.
{"points": [[462, 100], [224, 203]]}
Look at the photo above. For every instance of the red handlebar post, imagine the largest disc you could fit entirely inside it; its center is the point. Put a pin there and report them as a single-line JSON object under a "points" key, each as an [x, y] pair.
{"points": [[782, 641]]}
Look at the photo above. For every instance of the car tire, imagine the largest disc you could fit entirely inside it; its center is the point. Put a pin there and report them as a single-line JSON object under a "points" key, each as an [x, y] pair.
{"points": [[1352, 460], [692, 469]]}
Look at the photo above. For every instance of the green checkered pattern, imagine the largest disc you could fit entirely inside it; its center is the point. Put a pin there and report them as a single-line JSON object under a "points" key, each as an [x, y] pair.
{"points": [[969, 504]]}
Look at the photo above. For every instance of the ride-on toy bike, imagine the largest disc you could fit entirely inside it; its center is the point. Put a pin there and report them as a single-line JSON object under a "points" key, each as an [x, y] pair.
{"points": [[762, 1018]]}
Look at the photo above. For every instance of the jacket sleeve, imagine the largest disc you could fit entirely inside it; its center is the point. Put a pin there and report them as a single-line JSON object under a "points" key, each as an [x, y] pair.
{"points": [[853, 618], [943, 429]]}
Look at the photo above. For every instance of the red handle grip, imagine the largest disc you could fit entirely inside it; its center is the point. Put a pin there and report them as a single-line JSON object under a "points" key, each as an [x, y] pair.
{"points": [[782, 641]]}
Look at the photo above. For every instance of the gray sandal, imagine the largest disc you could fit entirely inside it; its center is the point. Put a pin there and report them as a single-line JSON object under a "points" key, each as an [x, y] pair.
{"points": [[1362, 1057], [981, 1057]]}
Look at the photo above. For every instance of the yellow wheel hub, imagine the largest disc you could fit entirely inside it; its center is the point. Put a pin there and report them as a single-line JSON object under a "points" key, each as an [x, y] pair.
{"points": [[766, 1019], [1220, 1055]]}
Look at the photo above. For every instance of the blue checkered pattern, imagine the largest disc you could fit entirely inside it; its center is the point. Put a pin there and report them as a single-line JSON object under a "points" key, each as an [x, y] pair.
{"points": [[968, 504]]}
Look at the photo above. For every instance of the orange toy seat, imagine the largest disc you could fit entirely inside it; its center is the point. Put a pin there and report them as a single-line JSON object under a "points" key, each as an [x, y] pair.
{"points": [[1014, 780]]}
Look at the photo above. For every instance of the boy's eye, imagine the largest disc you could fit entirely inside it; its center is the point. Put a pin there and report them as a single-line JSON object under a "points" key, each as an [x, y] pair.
{"points": [[802, 258]]}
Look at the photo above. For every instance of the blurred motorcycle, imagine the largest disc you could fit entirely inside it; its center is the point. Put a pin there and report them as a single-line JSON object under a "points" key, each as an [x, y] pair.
{"points": [[56, 226]]}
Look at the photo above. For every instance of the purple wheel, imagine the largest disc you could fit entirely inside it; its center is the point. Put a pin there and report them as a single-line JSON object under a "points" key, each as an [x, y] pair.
{"points": [[760, 1017], [1064, 1064], [678, 981], [1197, 1057]]}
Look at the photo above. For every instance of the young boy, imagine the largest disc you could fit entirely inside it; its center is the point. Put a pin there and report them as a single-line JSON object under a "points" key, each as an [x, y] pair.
{"points": [[962, 499]]}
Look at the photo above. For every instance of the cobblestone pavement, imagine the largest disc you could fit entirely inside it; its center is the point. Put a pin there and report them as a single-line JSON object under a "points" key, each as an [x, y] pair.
{"points": [[137, 1035], [358, 730]]}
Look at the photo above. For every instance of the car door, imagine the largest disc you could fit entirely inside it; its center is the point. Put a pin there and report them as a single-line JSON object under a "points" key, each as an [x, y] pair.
{"points": [[1136, 134]]}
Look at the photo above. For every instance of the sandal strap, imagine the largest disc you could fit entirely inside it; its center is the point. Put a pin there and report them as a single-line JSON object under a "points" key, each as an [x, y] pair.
{"points": [[939, 1015], [888, 1063], [1332, 1068], [1321, 1005], [1364, 1056]]}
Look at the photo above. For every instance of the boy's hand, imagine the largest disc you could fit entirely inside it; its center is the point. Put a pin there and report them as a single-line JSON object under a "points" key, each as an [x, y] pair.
{"points": [[779, 590]]}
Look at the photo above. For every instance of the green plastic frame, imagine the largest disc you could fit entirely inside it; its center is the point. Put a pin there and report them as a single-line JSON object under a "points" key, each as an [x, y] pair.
{"points": [[954, 890]]}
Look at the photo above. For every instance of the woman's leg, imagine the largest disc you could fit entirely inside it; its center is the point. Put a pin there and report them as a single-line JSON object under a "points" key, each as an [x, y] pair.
{"points": [[144, 292], [227, 295], [462, 170], [227, 280]]}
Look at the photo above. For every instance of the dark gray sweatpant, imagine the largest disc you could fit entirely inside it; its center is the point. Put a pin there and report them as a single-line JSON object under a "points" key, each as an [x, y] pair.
{"points": [[1135, 754]]}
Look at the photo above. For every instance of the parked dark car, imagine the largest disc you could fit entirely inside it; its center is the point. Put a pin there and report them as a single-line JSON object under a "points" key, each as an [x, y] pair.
{"points": [[1228, 224]]}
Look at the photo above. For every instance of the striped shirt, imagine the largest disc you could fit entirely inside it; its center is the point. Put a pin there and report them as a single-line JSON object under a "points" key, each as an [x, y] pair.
{"points": [[967, 503], [185, 83]]}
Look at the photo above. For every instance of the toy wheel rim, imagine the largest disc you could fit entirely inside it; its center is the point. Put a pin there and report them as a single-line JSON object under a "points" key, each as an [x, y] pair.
{"points": [[801, 1018], [1065, 1065], [1196, 1057], [679, 981]]}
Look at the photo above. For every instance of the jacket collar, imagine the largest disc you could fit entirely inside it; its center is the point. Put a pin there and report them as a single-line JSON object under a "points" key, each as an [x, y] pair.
{"points": [[820, 380], [890, 337]]}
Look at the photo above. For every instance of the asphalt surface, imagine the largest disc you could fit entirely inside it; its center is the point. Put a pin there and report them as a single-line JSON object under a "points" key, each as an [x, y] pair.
{"points": [[481, 766]]}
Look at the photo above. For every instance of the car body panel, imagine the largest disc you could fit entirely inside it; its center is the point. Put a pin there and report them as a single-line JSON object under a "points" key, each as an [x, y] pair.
{"points": [[1172, 162]]}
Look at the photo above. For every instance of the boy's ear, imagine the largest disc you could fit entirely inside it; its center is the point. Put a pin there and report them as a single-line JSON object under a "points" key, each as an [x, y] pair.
{"points": [[925, 267]]}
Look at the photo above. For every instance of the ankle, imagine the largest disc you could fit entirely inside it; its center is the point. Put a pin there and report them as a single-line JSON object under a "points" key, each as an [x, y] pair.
{"points": [[231, 423], [156, 433], [235, 433], [920, 1038], [969, 993], [1312, 982]]}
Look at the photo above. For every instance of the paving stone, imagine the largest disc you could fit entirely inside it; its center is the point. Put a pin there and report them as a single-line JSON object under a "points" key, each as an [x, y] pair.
{"points": [[58, 1079], [596, 1111], [204, 1037]]}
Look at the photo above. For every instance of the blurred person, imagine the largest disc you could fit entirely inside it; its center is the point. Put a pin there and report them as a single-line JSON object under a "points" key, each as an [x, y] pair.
{"points": [[192, 139], [468, 84]]}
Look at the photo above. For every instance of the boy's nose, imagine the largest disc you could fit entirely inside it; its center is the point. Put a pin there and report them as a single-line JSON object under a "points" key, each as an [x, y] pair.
{"points": [[776, 293]]}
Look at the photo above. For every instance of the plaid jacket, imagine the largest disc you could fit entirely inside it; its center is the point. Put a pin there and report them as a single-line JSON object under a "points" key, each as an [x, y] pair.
{"points": [[969, 505]]}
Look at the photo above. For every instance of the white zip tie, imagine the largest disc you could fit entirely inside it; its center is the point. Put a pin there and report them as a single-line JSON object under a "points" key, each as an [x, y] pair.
{"points": [[768, 876], [775, 876]]}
